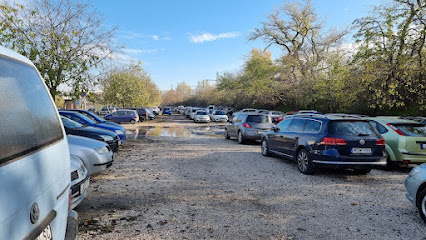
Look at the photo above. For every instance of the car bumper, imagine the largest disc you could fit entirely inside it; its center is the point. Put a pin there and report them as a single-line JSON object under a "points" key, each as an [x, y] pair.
{"points": [[123, 137], [114, 145], [412, 184], [412, 157], [77, 194], [72, 226], [202, 120], [349, 161], [253, 134], [99, 162], [221, 120]]}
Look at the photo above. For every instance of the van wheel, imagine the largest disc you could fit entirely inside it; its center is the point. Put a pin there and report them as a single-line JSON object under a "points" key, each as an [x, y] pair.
{"points": [[421, 204], [304, 162], [132, 121], [240, 138]]}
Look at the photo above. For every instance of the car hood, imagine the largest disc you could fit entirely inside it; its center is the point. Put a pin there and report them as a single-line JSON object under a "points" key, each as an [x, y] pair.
{"points": [[106, 126], [114, 124], [77, 142], [96, 131]]}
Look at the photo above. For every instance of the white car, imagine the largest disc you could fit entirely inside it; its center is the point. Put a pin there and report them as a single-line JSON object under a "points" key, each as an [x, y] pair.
{"points": [[218, 116], [201, 116], [193, 111]]}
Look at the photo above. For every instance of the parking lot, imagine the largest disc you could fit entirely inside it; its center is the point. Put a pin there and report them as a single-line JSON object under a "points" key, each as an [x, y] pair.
{"points": [[175, 179]]}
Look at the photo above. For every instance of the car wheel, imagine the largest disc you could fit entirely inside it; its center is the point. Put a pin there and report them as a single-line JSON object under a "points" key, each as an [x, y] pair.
{"points": [[304, 162], [132, 121], [227, 135], [265, 149], [421, 204], [362, 171], [240, 138]]}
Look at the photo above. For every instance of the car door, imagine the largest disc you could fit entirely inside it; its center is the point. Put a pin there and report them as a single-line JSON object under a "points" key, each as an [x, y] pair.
{"points": [[289, 139], [274, 138]]}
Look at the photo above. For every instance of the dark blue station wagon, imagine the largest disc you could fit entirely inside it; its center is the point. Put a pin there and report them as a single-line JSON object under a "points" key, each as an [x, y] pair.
{"points": [[326, 141]]}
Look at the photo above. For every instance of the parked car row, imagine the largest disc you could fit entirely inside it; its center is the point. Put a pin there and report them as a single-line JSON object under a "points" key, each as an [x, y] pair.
{"points": [[355, 142]]}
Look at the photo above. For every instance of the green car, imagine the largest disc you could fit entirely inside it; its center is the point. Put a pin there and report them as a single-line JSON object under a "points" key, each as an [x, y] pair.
{"points": [[405, 139]]}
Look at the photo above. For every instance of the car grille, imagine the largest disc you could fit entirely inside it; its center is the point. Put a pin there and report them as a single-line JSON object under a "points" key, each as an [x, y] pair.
{"points": [[74, 175]]}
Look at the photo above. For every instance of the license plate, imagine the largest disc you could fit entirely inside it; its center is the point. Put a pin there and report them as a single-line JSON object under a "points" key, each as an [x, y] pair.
{"points": [[84, 186], [361, 150], [46, 234], [260, 132], [423, 146]]}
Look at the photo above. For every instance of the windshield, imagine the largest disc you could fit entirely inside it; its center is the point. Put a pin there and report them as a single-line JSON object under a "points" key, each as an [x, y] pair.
{"points": [[93, 117], [68, 123], [410, 129], [259, 119], [201, 113], [351, 128], [86, 119], [219, 113]]}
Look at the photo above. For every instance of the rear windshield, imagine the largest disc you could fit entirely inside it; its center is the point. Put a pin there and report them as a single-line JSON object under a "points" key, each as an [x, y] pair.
{"points": [[166, 109], [351, 128], [415, 130], [28, 116], [258, 119]]}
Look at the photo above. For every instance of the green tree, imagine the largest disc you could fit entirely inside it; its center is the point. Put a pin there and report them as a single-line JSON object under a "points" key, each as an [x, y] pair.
{"points": [[65, 39]]}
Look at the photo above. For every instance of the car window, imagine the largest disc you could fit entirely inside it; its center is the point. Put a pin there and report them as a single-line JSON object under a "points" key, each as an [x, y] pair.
{"points": [[312, 126], [90, 117], [219, 113], [412, 129], [259, 119], [284, 124], [351, 128], [379, 127], [121, 113], [297, 125], [28, 117], [240, 118]]}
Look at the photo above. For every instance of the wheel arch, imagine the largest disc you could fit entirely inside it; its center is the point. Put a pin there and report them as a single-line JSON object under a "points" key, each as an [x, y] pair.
{"points": [[419, 190]]}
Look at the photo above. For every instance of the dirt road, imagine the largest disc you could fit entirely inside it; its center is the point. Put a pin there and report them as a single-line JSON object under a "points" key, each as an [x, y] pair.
{"points": [[174, 179]]}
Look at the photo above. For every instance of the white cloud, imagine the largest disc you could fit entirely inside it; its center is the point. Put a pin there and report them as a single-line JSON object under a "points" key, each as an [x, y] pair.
{"points": [[134, 51], [208, 37], [156, 37]]}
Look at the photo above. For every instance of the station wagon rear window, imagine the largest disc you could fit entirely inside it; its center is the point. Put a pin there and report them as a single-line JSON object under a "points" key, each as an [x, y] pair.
{"points": [[28, 117], [351, 128], [415, 130]]}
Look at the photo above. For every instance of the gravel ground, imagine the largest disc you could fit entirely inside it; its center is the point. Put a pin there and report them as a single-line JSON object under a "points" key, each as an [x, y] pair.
{"points": [[198, 187]]}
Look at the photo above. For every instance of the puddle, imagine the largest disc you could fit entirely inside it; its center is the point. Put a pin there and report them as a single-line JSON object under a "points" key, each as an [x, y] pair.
{"points": [[176, 131]]}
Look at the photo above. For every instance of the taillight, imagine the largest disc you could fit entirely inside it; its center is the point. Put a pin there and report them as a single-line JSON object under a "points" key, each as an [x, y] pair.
{"points": [[381, 142], [405, 161], [333, 141], [246, 125], [396, 129]]}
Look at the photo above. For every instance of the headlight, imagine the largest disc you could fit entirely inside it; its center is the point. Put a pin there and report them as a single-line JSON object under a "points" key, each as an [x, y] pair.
{"points": [[107, 138], [119, 132], [102, 150]]}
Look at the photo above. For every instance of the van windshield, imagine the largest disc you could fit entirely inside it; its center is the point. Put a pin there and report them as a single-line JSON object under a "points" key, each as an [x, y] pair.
{"points": [[28, 117]]}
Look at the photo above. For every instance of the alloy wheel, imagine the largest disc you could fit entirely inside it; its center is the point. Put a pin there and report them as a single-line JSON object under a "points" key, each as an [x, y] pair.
{"points": [[302, 161]]}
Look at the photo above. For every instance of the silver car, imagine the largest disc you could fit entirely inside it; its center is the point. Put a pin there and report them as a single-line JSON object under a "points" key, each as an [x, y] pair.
{"points": [[79, 181], [415, 184], [97, 156], [201, 116], [218, 116], [248, 127]]}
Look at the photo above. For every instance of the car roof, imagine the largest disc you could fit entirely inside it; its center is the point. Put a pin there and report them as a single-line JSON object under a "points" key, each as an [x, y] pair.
{"points": [[392, 119]]}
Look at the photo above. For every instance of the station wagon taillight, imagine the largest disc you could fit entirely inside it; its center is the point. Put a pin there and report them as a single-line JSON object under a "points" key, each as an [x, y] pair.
{"points": [[333, 141], [396, 129], [246, 125], [381, 142]]}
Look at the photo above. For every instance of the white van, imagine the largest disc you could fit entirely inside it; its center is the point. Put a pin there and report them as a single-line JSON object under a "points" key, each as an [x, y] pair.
{"points": [[34, 156]]}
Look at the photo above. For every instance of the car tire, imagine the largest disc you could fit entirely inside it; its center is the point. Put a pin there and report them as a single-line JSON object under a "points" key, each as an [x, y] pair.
{"points": [[132, 121], [421, 204], [362, 171], [226, 134], [304, 162], [265, 148], [240, 138]]}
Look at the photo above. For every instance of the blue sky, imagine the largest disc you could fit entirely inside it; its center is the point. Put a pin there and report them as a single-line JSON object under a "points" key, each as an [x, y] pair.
{"points": [[192, 40]]}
